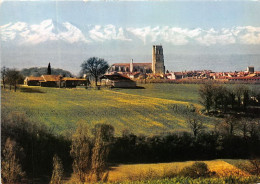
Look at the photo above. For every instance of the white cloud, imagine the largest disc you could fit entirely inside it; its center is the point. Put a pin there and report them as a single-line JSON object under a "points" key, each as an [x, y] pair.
{"points": [[48, 30]]}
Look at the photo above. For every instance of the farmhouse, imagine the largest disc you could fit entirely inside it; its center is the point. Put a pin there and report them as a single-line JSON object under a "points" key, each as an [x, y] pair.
{"points": [[54, 81], [33, 81], [118, 81], [51, 81], [73, 82]]}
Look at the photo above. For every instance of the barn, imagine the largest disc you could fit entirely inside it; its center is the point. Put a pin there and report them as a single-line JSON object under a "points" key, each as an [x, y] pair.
{"points": [[33, 81], [118, 81]]}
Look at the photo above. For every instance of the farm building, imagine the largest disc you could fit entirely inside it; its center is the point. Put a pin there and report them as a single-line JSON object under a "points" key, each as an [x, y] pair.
{"points": [[118, 81], [32, 81], [54, 81], [73, 82], [51, 81]]}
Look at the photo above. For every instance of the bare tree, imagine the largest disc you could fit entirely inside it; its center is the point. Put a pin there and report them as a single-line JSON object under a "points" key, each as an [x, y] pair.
{"points": [[3, 75], [252, 166], [255, 168], [95, 67], [228, 126], [13, 76], [206, 92], [103, 136], [81, 152], [11, 169], [241, 91], [254, 128], [195, 125], [57, 172]]}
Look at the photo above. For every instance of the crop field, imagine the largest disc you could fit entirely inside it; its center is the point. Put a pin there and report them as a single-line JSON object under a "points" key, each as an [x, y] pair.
{"points": [[156, 109]]}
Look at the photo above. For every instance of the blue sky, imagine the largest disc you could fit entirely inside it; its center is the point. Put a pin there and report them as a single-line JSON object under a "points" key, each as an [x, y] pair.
{"points": [[159, 13], [34, 33]]}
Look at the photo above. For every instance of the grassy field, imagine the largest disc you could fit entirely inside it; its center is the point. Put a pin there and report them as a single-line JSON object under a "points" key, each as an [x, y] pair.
{"points": [[156, 109], [168, 173], [165, 170]]}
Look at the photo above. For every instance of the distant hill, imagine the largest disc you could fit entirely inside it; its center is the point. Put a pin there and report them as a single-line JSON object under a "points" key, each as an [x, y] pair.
{"points": [[35, 71]]}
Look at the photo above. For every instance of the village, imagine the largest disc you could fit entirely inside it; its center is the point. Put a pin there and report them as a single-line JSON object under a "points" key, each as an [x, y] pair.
{"points": [[126, 75]]}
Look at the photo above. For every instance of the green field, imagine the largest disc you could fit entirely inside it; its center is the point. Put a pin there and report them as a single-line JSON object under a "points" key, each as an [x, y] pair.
{"points": [[155, 109]]}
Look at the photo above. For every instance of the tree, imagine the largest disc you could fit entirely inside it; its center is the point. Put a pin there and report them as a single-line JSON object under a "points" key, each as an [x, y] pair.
{"points": [[81, 152], [11, 170], [240, 89], [13, 77], [57, 172], [228, 126], [206, 92], [95, 67], [245, 98], [103, 137], [195, 125], [3, 75], [244, 127], [49, 69]]}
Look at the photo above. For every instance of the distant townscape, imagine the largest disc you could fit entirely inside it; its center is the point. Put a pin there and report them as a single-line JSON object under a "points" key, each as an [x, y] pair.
{"points": [[127, 74], [156, 70]]}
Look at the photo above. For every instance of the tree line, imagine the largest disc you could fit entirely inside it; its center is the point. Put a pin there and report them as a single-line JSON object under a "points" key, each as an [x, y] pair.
{"points": [[228, 98], [33, 151], [12, 77]]}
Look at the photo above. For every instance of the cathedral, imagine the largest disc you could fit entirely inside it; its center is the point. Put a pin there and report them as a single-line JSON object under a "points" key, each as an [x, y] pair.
{"points": [[156, 67]]}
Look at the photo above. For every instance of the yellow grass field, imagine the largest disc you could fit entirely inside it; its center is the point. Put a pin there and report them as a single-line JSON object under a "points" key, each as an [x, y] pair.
{"points": [[156, 109], [162, 170]]}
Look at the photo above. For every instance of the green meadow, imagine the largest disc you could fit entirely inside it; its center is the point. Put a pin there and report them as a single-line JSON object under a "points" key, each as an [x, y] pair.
{"points": [[156, 109]]}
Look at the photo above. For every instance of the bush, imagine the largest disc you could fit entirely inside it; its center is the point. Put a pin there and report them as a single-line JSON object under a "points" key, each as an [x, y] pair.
{"points": [[196, 170]]}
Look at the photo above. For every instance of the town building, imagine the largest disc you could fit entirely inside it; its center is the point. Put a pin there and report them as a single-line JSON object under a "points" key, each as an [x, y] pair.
{"points": [[250, 69], [155, 67]]}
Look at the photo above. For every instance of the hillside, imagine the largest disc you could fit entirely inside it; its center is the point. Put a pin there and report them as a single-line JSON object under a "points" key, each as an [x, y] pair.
{"points": [[156, 109]]}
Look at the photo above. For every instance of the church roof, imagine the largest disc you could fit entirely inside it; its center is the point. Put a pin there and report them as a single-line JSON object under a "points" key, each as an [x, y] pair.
{"points": [[135, 64], [121, 64], [142, 64]]}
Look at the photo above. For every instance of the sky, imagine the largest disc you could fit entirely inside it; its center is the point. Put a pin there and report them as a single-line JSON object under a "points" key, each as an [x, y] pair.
{"points": [[217, 35]]}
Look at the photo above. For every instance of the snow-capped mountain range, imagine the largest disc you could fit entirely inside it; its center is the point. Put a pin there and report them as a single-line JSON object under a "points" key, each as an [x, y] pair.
{"points": [[22, 33]]}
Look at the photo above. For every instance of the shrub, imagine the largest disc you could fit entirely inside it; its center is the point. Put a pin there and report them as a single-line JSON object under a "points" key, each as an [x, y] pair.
{"points": [[57, 172], [196, 170], [11, 170]]}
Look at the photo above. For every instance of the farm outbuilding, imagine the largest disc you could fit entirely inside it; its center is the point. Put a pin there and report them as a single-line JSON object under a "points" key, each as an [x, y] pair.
{"points": [[118, 81], [51, 81], [70, 82], [55, 81], [33, 81]]}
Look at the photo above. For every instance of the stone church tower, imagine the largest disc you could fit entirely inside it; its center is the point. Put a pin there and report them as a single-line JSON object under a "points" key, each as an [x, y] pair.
{"points": [[158, 60]]}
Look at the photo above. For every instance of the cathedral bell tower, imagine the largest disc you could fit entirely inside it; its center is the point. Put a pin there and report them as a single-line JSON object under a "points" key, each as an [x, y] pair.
{"points": [[158, 60]]}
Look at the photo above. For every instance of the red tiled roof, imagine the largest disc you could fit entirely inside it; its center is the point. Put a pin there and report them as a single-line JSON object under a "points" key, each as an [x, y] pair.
{"points": [[31, 78], [51, 77], [72, 79], [121, 64], [142, 64], [135, 64], [116, 77], [243, 78], [178, 73]]}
